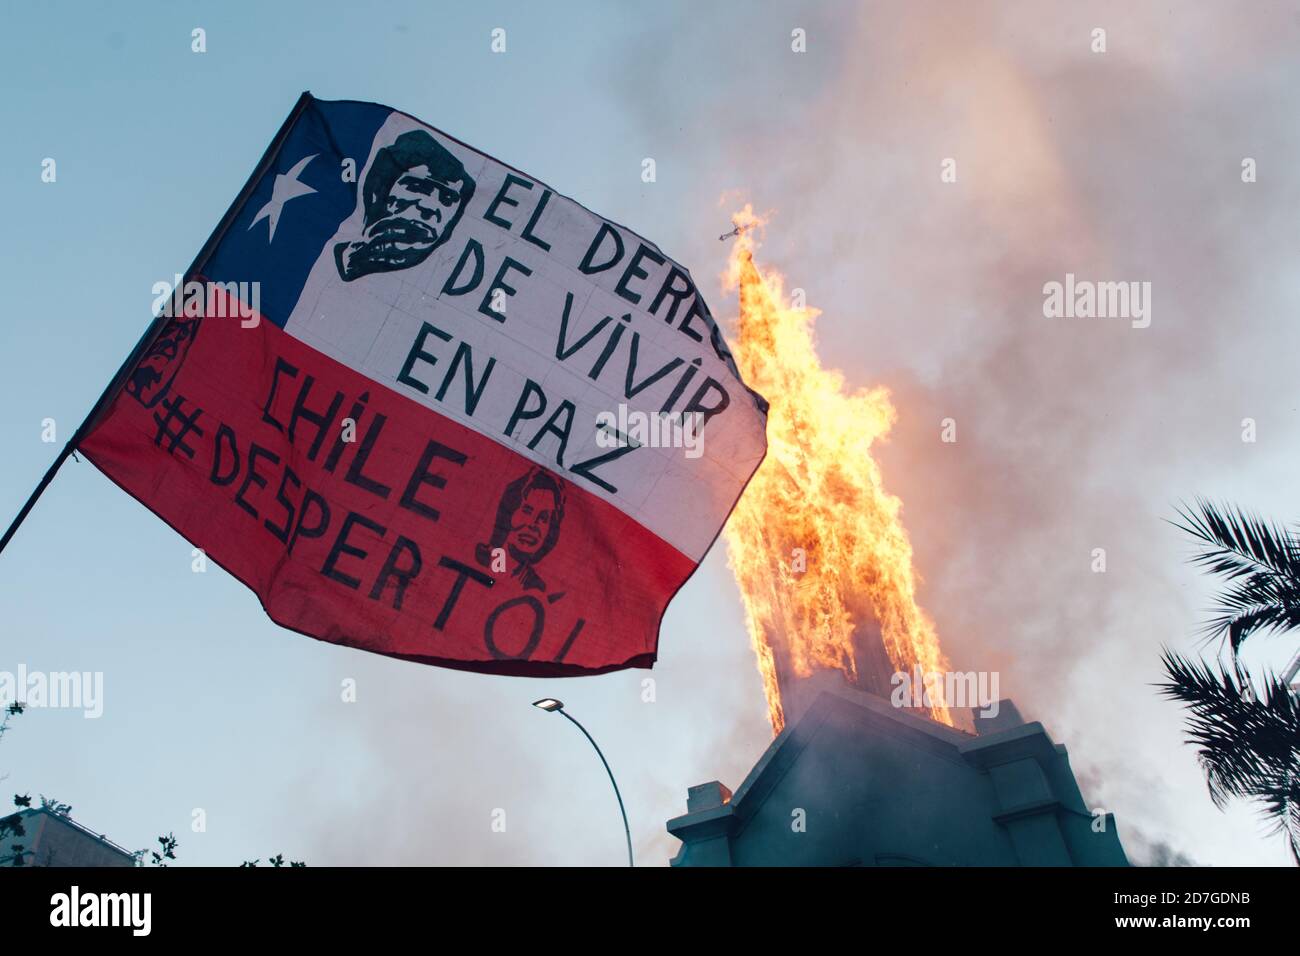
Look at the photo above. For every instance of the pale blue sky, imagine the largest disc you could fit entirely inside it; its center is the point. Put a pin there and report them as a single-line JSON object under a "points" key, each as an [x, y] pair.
{"points": [[208, 704], [1072, 437]]}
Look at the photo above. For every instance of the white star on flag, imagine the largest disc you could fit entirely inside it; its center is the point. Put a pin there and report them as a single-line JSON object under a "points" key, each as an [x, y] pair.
{"points": [[286, 187]]}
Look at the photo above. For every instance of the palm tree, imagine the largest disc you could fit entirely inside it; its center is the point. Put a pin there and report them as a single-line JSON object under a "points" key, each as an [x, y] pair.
{"points": [[1248, 747]]}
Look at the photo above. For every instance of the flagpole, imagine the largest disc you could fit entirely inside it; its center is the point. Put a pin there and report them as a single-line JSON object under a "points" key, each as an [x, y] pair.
{"points": [[155, 327], [160, 322]]}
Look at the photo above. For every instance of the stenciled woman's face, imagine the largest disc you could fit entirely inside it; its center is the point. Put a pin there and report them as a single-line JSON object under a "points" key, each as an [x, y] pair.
{"points": [[531, 522]]}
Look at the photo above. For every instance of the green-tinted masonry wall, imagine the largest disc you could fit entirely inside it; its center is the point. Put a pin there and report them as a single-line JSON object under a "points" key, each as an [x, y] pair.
{"points": [[856, 782]]}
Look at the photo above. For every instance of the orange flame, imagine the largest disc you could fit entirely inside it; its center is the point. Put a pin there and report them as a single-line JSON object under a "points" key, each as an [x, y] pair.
{"points": [[819, 490]]}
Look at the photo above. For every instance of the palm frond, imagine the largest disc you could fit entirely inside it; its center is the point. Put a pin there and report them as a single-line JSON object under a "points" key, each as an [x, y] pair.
{"points": [[1280, 805], [1260, 560], [1248, 747], [1236, 542]]}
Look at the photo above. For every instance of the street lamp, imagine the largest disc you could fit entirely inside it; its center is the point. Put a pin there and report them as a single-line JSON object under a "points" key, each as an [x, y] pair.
{"points": [[551, 705]]}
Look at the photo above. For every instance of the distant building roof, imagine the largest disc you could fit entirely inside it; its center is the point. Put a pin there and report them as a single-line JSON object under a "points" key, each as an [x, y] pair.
{"points": [[855, 781], [52, 839]]}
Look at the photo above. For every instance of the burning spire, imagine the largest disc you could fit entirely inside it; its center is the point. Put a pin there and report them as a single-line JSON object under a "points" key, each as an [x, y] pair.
{"points": [[822, 559]]}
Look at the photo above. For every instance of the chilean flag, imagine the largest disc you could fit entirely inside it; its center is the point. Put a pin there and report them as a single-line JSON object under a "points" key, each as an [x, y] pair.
{"points": [[423, 404]]}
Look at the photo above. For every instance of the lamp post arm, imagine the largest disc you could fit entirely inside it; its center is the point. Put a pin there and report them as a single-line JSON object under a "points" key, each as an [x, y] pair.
{"points": [[626, 831]]}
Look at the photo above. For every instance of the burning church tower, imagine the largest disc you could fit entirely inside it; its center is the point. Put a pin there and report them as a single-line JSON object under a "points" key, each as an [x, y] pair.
{"points": [[820, 554], [825, 573]]}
